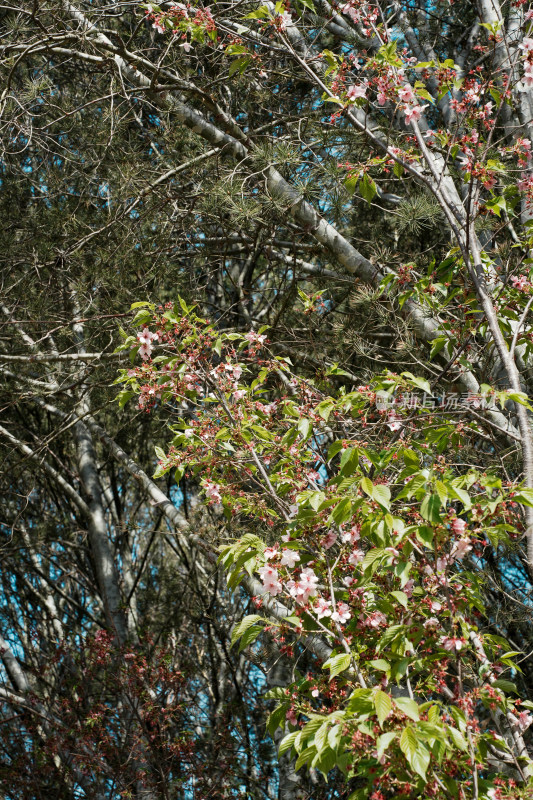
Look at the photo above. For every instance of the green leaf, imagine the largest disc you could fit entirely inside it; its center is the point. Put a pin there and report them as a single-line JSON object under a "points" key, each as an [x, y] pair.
{"points": [[401, 597], [458, 739], [408, 743], [239, 65], [342, 511], [524, 496], [261, 13], [287, 743], [383, 705], [420, 760], [305, 757], [337, 664], [367, 187], [381, 495], [243, 626], [384, 741], [408, 706], [462, 495], [305, 428], [421, 383], [380, 664], [123, 397], [505, 686], [430, 508]]}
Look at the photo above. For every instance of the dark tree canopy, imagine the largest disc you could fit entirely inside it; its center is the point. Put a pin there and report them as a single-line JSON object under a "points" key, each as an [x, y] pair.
{"points": [[352, 181]]}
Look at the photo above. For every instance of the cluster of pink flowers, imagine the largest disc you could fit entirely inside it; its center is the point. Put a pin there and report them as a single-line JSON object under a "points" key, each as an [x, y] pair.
{"points": [[452, 643], [520, 282], [527, 79], [523, 721], [212, 491], [146, 337], [270, 579], [413, 113], [257, 339], [305, 587], [357, 91]]}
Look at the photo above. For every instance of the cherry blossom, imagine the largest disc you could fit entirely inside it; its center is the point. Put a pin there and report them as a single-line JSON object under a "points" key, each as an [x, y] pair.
{"points": [[342, 613], [413, 113], [305, 587], [146, 337], [322, 608], [458, 526], [394, 422], [212, 491], [523, 720], [460, 549], [406, 94], [352, 536], [373, 620], [357, 91], [269, 577], [289, 558], [356, 556], [329, 540], [291, 716], [452, 643]]}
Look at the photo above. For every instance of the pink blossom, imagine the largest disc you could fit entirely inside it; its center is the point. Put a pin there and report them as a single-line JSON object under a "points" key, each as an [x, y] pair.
{"points": [[352, 536], [527, 44], [236, 369], [239, 394], [523, 721], [342, 613], [357, 91], [157, 25], [442, 563], [305, 587], [187, 47], [284, 20], [269, 577], [408, 588], [289, 558], [519, 283], [315, 692], [394, 422], [212, 491], [452, 643], [329, 540], [406, 94], [322, 608], [528, 15], [525, 144], [431, 623], [458, 526], [460, 549], [413, 113], [145, 351], [252, 336], [374, 620], [271, 552], [146, 337], [435, 605], [291, 717], [356, 556]]}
